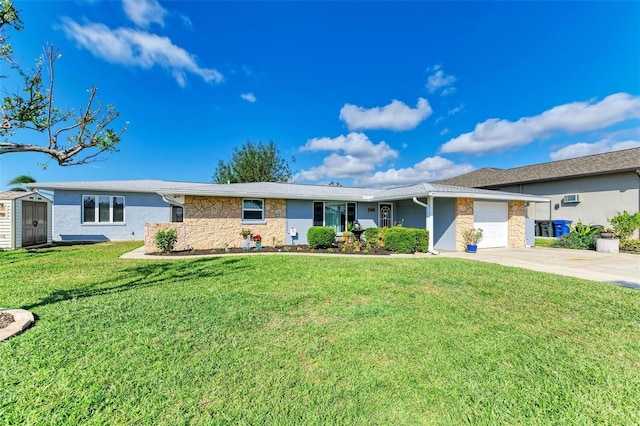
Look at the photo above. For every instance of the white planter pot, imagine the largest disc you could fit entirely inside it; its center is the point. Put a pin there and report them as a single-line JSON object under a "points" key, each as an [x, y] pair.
{"points": [[607, 245]]}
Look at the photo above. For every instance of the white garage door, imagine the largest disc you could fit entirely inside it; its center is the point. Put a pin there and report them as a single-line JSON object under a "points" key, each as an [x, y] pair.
{"points": [[492, 218]]}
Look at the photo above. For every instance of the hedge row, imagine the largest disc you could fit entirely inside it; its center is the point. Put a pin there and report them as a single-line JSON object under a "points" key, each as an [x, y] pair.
{"points": [[320, 236], [406, 240]]}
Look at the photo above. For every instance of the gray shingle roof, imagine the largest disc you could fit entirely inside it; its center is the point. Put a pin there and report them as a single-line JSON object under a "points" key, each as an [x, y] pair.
{"points": [[609, 162], [13, 195], [284, 190]]}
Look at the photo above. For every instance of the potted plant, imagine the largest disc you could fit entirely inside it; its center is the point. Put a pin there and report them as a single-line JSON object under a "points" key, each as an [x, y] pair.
{"points": [[606, 233], [258, 240], [471, 237], [347, 236]]}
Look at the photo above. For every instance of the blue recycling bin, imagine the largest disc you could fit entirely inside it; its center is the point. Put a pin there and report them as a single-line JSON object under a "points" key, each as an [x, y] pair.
{"points": [[561, 227]]}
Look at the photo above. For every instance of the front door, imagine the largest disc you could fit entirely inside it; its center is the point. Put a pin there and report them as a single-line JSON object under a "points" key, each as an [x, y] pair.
{"points": [[385, 216], [34, 223]]}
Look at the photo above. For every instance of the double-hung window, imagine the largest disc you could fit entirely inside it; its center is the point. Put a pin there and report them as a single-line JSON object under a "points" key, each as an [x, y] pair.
{"points": [[252, 210], [336, 215], [102, 209]]}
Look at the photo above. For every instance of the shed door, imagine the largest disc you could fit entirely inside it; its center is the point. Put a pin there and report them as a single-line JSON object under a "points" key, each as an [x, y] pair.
{"points": [[493, 219], [34, 223]]}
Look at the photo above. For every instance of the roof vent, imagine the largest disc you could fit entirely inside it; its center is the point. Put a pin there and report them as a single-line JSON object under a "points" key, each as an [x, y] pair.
{"points": [[571, 198]]}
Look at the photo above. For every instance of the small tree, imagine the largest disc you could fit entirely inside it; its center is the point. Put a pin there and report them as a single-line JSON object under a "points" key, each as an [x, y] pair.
{"points": [[166, 240], [625, 224], [20, 181], [253, 163], [70, 138]]}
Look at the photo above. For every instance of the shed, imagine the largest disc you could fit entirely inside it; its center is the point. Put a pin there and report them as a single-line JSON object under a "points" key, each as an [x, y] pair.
{"points": [[25, 220]]}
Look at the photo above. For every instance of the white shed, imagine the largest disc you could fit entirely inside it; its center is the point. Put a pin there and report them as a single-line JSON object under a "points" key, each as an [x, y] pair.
{"points": [[25, 220]]}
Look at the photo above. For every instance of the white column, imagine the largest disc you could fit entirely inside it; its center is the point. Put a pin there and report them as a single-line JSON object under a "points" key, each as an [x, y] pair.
{"points": [[430, 221]]}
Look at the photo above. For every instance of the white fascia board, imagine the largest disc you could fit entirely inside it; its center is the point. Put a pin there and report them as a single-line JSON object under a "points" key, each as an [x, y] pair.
{"points": [[497, 197]]}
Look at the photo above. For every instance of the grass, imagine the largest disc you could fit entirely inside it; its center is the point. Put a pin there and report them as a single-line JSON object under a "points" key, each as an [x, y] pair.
{"points": [[545, 242], [312, 340]]}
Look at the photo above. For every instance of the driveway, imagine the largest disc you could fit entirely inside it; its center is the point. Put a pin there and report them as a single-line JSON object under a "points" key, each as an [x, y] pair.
{"points": [[619, 268]]}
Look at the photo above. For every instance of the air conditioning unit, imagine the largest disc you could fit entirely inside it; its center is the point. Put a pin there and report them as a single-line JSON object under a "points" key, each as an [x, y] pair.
{"points": [[571, 198]]}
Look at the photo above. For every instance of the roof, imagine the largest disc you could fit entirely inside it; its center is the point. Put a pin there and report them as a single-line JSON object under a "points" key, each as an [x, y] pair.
{"points": [[597, 164], [288, 191], [13, 195]]}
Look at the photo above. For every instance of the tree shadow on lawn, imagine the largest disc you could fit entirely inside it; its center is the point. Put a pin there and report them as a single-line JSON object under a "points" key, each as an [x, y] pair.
{"points": [[147, 276]]}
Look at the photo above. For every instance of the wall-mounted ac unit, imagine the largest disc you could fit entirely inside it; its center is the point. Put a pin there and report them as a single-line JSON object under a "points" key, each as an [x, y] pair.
{"points": [[571, 198]]}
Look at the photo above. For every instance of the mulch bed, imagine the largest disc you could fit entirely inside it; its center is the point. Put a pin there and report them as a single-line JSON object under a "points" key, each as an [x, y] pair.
{"points": [[375, 251], [6, 319]]}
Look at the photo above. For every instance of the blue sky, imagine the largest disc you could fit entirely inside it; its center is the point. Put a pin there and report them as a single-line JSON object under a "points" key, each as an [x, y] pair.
{"points": [[364, 93]]}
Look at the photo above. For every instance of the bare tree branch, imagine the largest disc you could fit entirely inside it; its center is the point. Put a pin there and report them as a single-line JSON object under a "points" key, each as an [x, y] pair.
{"points": [[87, 135]]}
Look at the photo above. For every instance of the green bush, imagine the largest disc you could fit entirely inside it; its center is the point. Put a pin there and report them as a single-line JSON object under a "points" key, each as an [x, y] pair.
{"points": [[422, 240], [406, 240], [575, 240], [625, 224], [630, 245], [371, 235], [320, 236], [166, 240]]}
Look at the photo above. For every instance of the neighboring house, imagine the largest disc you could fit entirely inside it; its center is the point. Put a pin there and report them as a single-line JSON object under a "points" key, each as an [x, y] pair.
{"points": [[212, 215], [591, 189], [25, 220]]}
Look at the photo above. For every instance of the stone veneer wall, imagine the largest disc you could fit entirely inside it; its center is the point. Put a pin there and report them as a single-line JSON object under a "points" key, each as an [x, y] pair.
{"points": [[215, 222], [464, 220], [151, 229], [516, 224]]}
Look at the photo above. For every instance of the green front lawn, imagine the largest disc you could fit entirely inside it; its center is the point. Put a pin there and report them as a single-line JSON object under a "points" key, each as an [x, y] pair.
{"points": [[312, 340]]}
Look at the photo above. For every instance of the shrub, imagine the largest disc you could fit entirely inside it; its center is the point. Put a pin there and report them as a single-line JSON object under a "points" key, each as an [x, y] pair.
{"points": [[371, 235], [406, 240], [320, 236], [625, 224], [166, 240], [630, 245], [575, 240], [422, 240]]}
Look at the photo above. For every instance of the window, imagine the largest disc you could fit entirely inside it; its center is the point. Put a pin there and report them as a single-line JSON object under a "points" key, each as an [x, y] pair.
{"points": [[102, 209], [252, 210], [177, 213], [333, 214]]}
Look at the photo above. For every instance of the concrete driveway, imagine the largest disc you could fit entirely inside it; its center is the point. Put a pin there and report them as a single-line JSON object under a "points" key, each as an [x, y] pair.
{"points": [[619, 268]]}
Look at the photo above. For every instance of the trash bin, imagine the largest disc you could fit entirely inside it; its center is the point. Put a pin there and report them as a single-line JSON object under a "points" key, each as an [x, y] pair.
{"points": [[536, 229], [545, 228], [561, 227]]}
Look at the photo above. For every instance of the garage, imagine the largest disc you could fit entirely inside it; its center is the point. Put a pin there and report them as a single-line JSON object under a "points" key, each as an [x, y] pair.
{"points": [[493, 218]]}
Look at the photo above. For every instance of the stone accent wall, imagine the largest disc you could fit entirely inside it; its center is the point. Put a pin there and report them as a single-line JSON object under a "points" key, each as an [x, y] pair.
{"points": [[151, 229], [215, 222], [464, 220], [516, 224]]}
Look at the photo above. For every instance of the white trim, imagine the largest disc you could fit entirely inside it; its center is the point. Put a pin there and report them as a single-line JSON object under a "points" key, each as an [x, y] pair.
{"points": [[261, 210], [380, 211], [97, 210]]}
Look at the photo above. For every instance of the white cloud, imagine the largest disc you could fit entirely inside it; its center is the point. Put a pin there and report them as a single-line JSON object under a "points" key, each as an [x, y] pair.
{"points": [[427, 170], [352, 155], [249, 97], [395, 116], [132, 47], [582, 148], [439, 80], [144, 12], [454, 111], [444, 131], [496, 135]]}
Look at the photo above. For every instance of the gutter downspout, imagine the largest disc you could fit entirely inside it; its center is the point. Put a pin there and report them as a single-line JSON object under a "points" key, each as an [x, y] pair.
{"points": [[428, 221]]}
